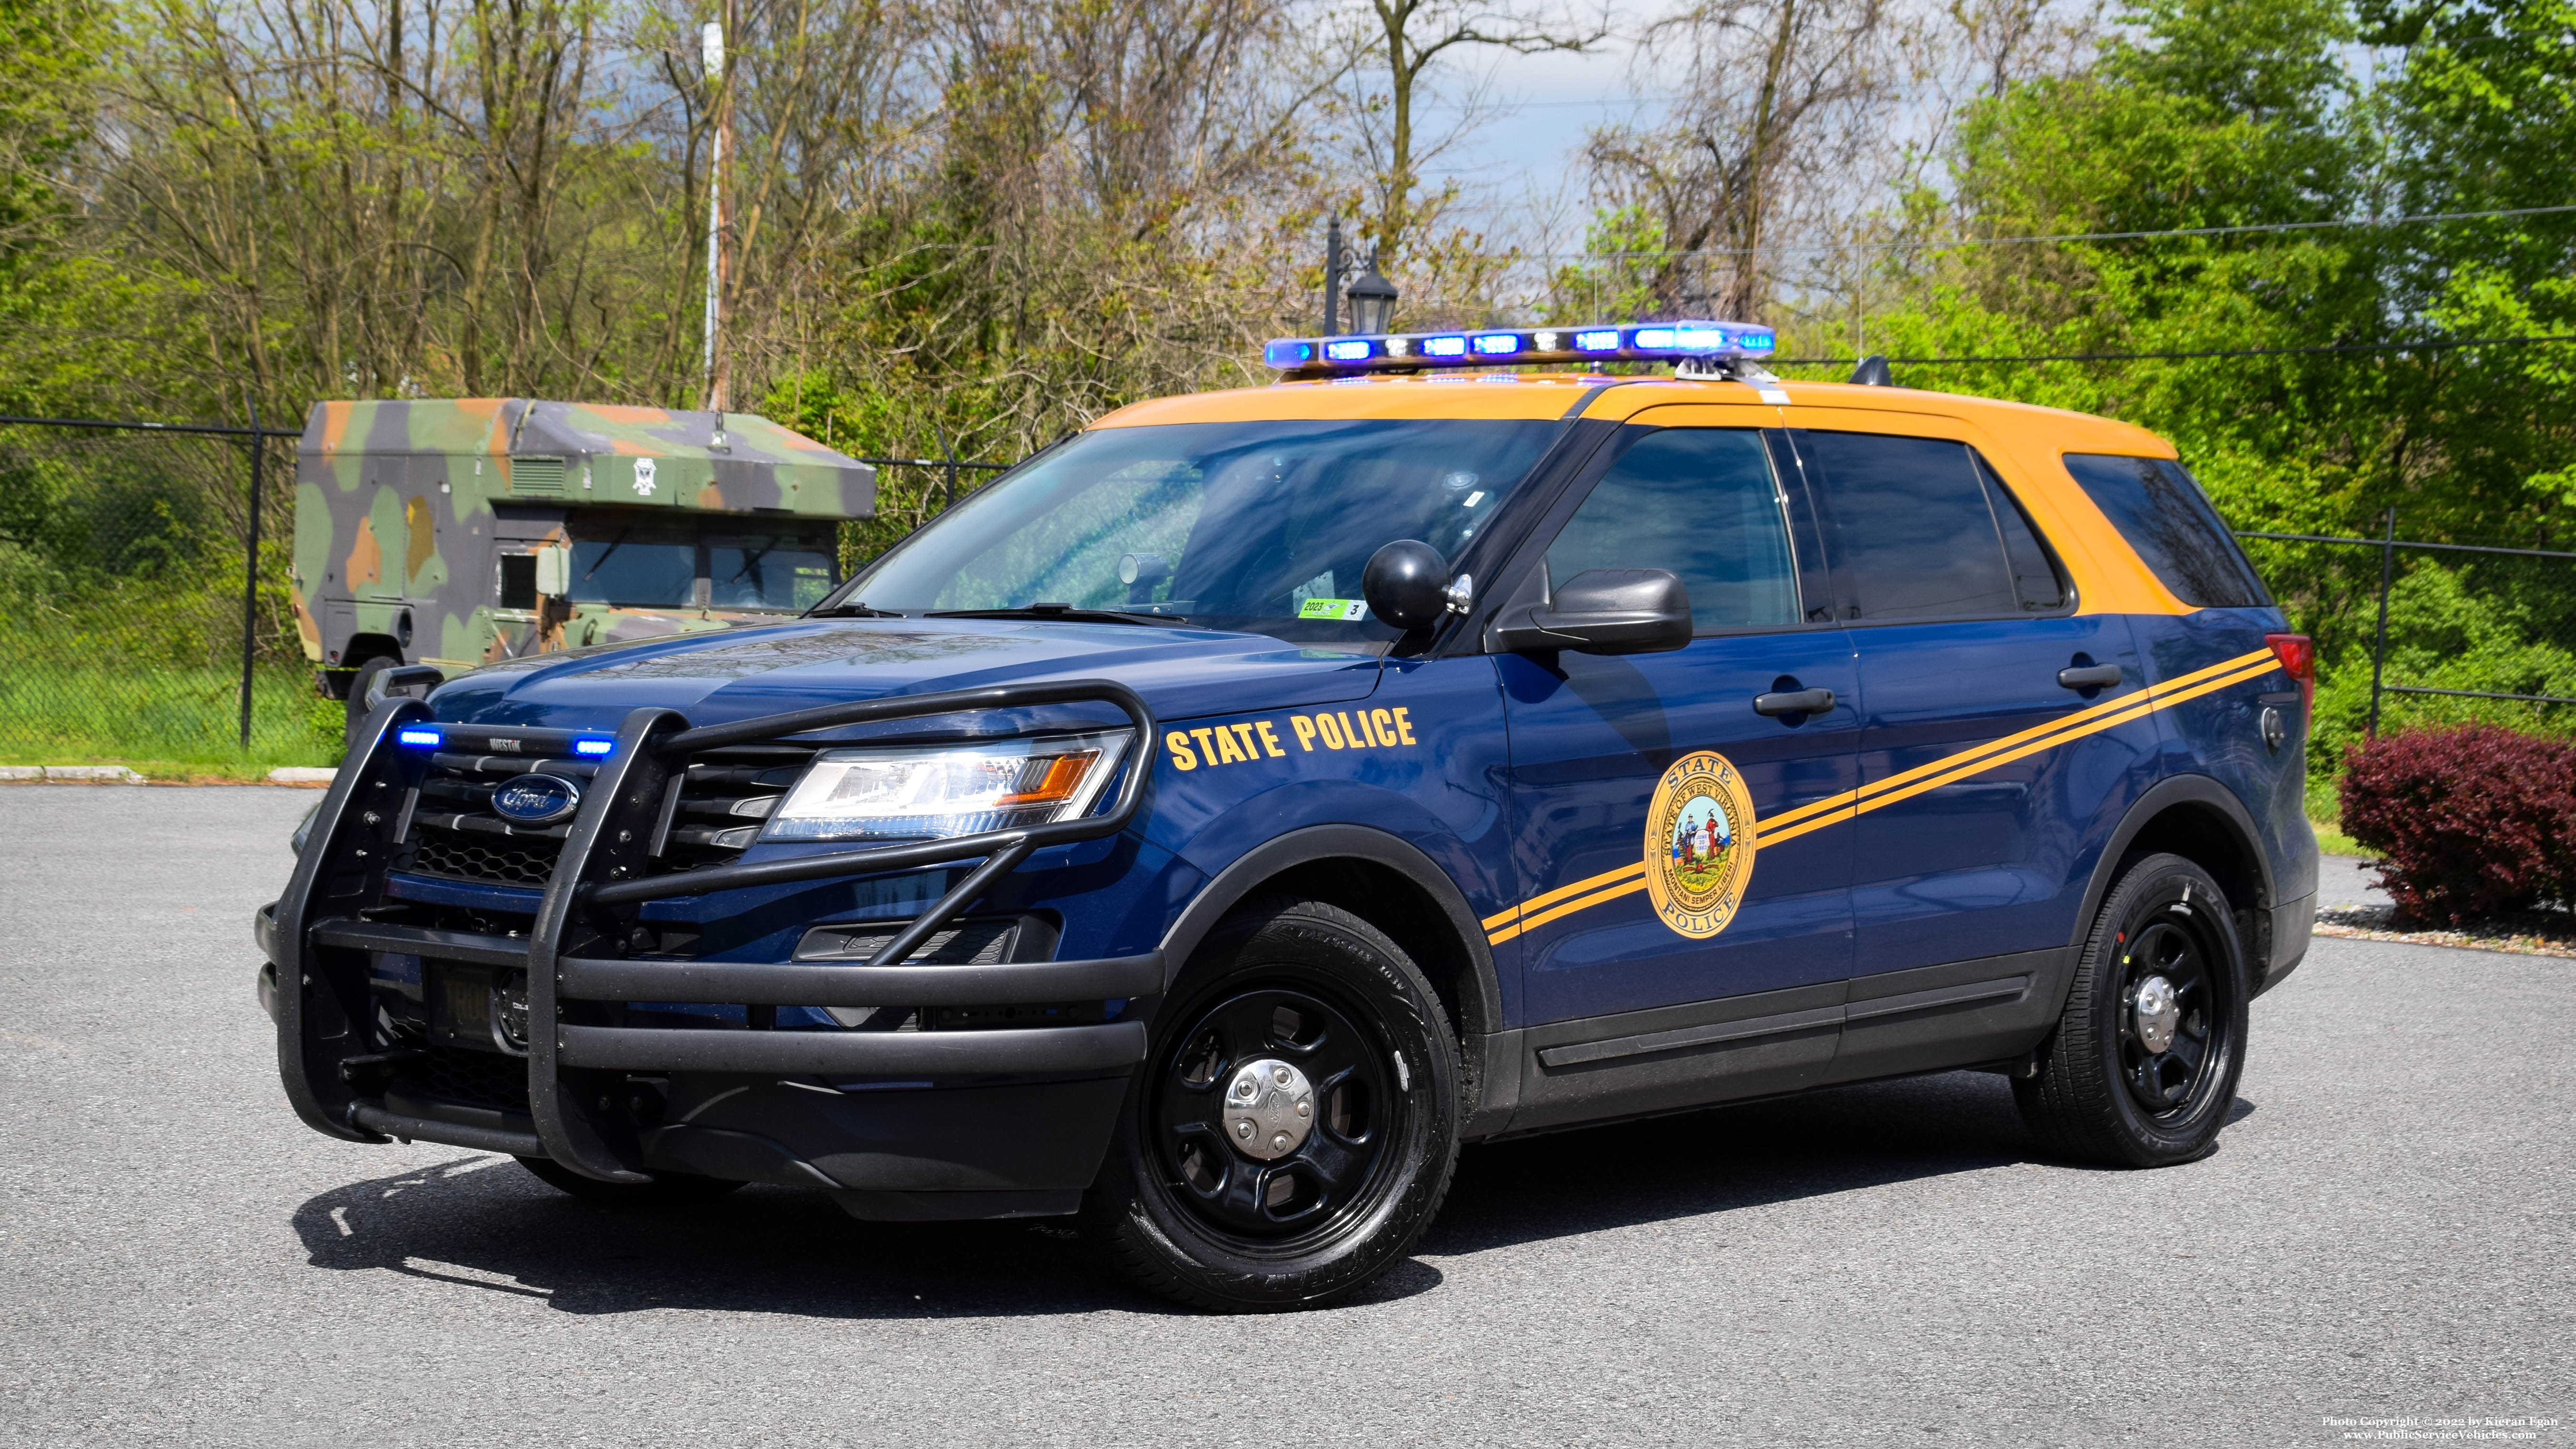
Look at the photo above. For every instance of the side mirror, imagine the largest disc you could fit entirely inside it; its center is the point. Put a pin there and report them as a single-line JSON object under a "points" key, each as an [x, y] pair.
{"points": [[1606, 611], [554, 571], [1406, 583]]}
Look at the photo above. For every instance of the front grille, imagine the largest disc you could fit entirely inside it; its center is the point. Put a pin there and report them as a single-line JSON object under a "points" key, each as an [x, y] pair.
{"points": [[710, 814], [454, 833], [446, 853], [716, 807]]}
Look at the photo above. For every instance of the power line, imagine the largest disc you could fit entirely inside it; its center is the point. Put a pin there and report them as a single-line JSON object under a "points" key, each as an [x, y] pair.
{"points": [[2427, 346], [2424, 218]]}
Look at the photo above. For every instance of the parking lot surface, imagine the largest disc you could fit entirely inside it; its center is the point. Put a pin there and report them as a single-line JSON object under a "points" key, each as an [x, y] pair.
{"points": [[2385, 1233]]}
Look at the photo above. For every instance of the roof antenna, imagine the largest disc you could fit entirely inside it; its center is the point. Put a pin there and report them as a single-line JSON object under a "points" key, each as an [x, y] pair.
{"points": [[1872, 372]]}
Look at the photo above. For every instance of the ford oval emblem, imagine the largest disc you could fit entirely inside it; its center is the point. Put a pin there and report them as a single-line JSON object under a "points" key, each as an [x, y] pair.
{"points": [[536, 800]]}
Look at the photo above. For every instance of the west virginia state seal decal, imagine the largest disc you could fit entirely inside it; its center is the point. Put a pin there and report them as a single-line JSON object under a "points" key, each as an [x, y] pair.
{"points": [[1699, 844]]}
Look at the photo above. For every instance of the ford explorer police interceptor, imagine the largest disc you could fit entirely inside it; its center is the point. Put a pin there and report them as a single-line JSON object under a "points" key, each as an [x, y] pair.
{"points": [[1209, 826]]}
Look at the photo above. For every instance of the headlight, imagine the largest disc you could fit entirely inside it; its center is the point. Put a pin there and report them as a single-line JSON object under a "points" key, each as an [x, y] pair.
{"points": [[910, 792]]}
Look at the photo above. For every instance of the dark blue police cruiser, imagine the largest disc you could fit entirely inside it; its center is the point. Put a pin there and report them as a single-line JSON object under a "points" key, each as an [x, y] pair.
{"points": [[1212, 824]]}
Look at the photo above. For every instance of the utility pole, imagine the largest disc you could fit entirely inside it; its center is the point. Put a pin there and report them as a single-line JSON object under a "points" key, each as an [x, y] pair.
{"points": [[711, 50]]}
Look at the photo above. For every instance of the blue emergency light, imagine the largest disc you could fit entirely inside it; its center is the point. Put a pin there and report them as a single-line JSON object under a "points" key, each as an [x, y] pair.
{"points": [[1411, 351], [419, 739], [593, 747]]}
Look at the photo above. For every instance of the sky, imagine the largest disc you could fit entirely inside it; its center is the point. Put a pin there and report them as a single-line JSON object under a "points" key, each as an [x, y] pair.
{"points": [[1523, 168]]}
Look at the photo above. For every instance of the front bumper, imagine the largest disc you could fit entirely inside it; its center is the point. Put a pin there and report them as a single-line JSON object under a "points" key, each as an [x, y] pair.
{"points": [[900, 1123]]}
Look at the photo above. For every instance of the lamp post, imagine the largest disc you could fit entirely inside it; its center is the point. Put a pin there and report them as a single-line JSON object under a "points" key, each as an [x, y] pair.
{"points": [[1333, 277], [1372, 301], [1372, 297]]}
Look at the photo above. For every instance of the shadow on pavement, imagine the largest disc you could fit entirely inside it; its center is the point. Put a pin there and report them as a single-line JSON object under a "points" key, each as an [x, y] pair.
{"points": [[1714, 1160], [483, 1222]]}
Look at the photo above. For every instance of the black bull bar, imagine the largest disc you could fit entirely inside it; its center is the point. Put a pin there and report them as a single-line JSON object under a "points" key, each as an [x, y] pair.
{"points": [[321, 1010]]}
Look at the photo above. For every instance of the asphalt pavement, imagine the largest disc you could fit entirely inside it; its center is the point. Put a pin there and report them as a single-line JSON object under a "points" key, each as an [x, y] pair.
{"points": [[2385, 1234]]}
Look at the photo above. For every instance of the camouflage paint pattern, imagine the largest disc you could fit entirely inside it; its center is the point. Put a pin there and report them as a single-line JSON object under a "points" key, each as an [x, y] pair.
{"points": [[404, 510]]}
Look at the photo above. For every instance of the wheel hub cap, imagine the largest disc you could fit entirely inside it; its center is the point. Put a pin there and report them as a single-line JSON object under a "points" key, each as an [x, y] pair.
{"points": [[2157, 1013], [1269, 1109]]}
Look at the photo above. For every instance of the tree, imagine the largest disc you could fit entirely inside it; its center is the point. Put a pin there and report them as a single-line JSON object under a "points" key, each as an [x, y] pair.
{"points": [[1412, 35], [1781, 97]]}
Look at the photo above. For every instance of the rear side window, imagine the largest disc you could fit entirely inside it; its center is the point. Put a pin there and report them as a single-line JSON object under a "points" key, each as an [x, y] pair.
{"points": [[2163, 514], [1923, 531], [2034, 571]]}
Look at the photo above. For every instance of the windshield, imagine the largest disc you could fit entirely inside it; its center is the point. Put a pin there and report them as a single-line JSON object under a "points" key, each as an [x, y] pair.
{"points": [[632, 567], [671, 564], [1261, 526], [768, 573]]}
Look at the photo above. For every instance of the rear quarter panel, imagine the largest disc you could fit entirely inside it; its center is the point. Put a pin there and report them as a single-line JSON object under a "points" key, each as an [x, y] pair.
{"points": [[2221, 734]]}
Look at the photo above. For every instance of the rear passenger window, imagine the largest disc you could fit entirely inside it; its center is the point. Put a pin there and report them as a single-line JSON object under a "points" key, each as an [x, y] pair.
{"points": [[1701, 504], [2160, 509], [2034, 571], [1923, 531]]}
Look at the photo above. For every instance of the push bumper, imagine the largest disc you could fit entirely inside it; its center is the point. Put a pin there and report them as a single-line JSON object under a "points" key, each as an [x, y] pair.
{"points": [[911, 1123]]}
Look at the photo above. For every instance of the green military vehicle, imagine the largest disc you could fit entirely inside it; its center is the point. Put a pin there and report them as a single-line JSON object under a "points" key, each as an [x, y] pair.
{"points": [[462, 532]]}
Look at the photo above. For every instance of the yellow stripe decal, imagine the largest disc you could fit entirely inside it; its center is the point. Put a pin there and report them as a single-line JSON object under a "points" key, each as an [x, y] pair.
{"points": [[1627, 880]]}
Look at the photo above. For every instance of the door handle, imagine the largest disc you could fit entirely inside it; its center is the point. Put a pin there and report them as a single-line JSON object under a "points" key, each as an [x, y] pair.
{"points": [[2091, 676], [1795, 701]]}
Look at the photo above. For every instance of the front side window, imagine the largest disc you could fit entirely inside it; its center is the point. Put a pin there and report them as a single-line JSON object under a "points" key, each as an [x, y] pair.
{"points": [[2159, 508], [1260, 526], [1923, 530], [1701, 504]]}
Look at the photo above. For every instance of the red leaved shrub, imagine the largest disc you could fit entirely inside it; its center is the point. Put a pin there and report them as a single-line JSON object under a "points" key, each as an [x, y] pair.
{"points": [[2471, 820]]}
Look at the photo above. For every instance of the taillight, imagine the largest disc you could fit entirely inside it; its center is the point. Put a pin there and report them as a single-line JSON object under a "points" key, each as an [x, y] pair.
{"points": [[2298, 656]]}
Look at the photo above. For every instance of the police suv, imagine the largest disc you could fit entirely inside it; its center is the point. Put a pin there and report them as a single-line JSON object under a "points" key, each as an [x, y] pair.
{"points": [[1213, 823]]}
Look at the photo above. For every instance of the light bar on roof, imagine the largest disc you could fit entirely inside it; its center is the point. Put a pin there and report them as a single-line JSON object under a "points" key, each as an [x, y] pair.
{"points": [[1601, 342]]}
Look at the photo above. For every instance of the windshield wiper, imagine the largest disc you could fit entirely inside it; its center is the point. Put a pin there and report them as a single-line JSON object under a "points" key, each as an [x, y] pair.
{"points": [[1067, 612], [854, 610]]}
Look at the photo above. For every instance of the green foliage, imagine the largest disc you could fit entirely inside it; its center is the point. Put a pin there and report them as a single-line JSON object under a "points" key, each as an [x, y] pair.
{"points": [[2241, 113], [974, 228]]}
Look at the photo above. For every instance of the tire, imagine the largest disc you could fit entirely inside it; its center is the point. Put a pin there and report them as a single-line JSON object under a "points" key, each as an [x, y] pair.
{"points": [[359, 683], [2104, 1091], [667, 1189], [1198, 1204]]}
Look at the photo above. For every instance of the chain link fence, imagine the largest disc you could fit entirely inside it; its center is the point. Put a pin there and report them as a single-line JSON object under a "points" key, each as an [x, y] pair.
{"points": [[134, 626], [2414, 632], [132, 620]]}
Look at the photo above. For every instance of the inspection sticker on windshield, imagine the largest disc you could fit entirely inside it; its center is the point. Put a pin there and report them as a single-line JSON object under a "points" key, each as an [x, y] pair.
{"points": [[1350, 609]]}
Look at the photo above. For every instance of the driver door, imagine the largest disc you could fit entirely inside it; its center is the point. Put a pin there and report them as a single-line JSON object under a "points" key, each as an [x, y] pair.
{"points": [[1685, 916]]}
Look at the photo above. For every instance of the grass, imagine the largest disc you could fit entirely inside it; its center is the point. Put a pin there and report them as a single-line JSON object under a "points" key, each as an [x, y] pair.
{"points": [[2325, 816], [177, 724]]}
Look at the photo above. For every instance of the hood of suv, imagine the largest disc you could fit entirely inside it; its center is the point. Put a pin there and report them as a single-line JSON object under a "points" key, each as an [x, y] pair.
{"points": [[740, 673]]}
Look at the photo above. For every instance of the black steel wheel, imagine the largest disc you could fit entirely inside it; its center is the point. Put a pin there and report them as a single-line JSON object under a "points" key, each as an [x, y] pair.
{"points": [[1294, 1127], [2144, 1063], [1274, 1113]]}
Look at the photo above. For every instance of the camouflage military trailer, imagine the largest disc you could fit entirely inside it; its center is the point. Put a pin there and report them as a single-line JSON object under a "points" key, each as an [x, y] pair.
{"points": [[462, 532]]}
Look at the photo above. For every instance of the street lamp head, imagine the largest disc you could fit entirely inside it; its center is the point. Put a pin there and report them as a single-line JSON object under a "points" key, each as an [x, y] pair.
{"points": [[1372, 300]]}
